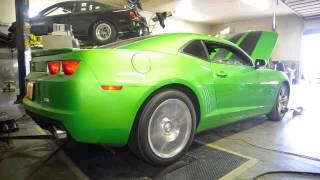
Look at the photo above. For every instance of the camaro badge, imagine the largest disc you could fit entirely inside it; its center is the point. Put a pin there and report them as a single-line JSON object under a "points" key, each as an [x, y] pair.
{"points": [[46, 100]]}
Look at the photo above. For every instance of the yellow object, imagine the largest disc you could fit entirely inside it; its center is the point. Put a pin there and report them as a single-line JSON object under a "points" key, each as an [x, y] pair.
{"points": [[35, 40]]}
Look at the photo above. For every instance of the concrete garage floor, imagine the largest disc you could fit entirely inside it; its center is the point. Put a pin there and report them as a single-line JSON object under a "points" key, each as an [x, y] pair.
{"points": [[258, 140]]}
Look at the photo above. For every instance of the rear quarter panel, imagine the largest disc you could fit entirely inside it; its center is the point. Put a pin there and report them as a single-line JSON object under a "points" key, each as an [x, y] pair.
{"points": [[115, 68]]}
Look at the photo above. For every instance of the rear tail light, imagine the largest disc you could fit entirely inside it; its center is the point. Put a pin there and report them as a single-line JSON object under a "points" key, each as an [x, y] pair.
{"points": [[69, 67], [54, 67], [133, 14]]}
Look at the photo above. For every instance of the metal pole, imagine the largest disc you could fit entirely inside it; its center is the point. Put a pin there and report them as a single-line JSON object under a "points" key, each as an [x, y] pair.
{"points": [[21, 13], [274, 19]]}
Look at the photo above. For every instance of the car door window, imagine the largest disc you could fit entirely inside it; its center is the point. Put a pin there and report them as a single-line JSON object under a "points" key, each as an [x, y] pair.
{"points": [[196, 49], [226, 55]]}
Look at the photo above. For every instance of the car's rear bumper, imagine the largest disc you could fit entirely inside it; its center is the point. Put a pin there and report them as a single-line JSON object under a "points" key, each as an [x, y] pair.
{"points": [[108, 121], [104, 122]]}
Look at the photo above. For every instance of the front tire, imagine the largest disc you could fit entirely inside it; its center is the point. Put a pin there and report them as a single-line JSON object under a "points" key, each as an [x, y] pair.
{"points": [[280, 108], [165, 128]]}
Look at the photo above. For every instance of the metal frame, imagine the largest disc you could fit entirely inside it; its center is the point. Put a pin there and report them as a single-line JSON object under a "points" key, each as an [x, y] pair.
{"points": [[21, 12], [305, 8]]}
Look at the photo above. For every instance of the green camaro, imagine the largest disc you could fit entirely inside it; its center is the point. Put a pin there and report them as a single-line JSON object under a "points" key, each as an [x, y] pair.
{"points": [[154, 93]]}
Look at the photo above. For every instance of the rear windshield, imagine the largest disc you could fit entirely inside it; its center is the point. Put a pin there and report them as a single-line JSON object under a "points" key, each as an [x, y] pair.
{"points": [[124, 42]]}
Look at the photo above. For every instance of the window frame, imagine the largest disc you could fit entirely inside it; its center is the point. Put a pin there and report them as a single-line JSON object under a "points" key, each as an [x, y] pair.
{"points": [[53, 8], [233, 49], [238, 52], [181, 50]]}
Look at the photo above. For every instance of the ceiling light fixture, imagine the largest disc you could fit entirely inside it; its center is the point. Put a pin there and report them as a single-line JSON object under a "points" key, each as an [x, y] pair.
{"points": [[259, 5]]}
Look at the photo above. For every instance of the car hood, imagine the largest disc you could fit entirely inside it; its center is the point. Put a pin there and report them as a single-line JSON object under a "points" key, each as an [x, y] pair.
{"points": [[258, 44]]}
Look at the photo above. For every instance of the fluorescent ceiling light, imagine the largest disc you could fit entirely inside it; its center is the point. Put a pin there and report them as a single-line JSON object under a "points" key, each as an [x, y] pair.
{"points": [[258, 4]]}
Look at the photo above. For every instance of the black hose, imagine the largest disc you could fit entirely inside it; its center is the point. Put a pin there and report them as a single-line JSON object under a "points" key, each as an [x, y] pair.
{"points": [[287, 172], [268, 149], [31, 137], [279, 151], [282, 152]]}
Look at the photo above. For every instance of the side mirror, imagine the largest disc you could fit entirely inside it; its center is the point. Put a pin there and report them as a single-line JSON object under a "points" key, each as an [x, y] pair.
{"points": [[259, 63]]}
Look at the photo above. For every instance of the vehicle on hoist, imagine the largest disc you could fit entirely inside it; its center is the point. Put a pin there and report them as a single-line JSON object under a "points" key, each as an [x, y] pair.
{"points": [[91, 21], [154, 93]]}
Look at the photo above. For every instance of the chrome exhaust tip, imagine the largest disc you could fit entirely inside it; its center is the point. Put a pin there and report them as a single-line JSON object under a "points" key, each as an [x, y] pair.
{"points": [[58, 133]]}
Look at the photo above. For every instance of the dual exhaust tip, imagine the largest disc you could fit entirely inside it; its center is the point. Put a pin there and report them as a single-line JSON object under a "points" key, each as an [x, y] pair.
{"points": [[59, 133]]}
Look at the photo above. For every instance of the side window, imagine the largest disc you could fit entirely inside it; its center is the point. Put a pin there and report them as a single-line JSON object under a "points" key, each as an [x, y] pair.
{"points": [[60, 10], [196, 49], [224, 55]]}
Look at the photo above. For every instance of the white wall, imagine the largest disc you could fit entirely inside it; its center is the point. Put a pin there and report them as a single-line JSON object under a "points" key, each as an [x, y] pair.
{"points": [[7, 11], [177, 25], [289, 28], [35, 6]]}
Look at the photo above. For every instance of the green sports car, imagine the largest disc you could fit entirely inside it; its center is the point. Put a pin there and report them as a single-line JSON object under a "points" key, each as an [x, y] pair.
{"points": [[154, 93]]}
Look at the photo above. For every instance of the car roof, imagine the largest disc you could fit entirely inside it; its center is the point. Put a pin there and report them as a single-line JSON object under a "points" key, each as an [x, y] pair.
{"points": [[170, 42], [68, 2], [63, 2]]}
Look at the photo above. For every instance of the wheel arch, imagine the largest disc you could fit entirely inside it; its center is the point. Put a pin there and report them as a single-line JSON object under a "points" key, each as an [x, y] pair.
{"points": [[190, 93], [286, 82], [177, 86]]}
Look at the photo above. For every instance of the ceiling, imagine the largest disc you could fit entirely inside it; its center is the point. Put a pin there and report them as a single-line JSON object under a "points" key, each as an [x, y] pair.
{"points": [[213, 11], [308, 9]]}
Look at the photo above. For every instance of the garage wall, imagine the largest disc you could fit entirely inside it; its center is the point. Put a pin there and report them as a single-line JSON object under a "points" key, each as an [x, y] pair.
{"points": [[35, 6], [7, 8], [177, 25], [290, 29], [7, 11]]}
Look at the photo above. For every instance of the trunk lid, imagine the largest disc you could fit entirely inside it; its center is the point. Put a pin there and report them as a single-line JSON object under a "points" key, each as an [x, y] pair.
{"points": [[50, 52], [40, 58]]}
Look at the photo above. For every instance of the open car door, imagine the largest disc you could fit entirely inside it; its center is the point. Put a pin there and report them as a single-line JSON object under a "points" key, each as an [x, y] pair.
{"points": [[257, 44]]}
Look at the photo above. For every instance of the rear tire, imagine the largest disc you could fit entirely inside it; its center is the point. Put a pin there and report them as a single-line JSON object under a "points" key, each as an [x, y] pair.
{"points": [[165, 128], [103, 32], [280, 107]]}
